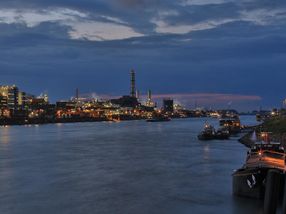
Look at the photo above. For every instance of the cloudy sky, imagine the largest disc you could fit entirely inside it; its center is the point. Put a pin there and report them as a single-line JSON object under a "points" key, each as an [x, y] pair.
{"points": [[209, 52]]}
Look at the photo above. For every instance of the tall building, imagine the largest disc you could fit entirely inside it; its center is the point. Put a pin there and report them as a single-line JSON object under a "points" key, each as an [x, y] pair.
{"points": [[12, 95], [22, 100], [133, 84], [168, 105], [3, 102]]}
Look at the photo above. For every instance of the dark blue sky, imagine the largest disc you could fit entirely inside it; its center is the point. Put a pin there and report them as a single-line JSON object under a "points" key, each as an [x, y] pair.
{"points": [[194, 50]]}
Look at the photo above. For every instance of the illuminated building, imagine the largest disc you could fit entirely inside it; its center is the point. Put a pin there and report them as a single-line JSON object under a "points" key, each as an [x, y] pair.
{"points": [[46, 98], [3, 102], [21, 98], [12, 94], [149, 101], [3, 106], [24, 100]]}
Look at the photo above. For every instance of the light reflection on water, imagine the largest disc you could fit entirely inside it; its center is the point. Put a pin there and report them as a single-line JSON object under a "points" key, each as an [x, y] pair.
{"points": [[206, 151], [128, 167], [5, 135]]}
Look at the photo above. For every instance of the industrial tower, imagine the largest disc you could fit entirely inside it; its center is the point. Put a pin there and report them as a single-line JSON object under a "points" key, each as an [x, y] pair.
{"points": [[149, 101], [133, 87]]}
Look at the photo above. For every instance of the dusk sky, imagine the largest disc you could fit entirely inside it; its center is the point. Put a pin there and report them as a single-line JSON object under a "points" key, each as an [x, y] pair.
{"points": [[210, 52]]}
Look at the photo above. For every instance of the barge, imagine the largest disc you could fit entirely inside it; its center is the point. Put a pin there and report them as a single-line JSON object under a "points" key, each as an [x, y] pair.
{"points": [[263, 174]]}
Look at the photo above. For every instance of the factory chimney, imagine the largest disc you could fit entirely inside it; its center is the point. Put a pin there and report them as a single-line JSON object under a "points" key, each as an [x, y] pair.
{"points": [[149, 99], [133, 87], [77, 94]]}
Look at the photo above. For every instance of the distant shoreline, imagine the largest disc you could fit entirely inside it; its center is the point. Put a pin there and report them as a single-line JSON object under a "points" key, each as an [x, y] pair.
{"points": [[67, 120]]}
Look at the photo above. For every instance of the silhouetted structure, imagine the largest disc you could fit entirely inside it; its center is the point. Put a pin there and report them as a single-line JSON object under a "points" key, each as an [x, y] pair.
{"points": [[126, 101], [77, 94], [133, 86], [168, 105]]}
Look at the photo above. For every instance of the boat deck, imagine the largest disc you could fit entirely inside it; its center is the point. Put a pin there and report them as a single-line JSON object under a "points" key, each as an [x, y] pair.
{"points": [[266, 159]]}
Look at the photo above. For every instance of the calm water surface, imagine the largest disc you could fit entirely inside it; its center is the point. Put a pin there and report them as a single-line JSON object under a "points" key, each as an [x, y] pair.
{"points": [[129, 167]]}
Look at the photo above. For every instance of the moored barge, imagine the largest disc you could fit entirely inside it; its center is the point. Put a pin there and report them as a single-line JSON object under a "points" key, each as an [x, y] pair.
{"points": [[262, 174]]}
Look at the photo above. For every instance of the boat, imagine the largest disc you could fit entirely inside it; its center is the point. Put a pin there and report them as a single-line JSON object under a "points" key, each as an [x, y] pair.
{"points": [[233, 125], [208, 133], [264, 157], [222, 134]]}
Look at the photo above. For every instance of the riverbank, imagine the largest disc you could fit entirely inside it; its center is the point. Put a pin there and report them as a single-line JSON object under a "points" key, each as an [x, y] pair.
{"points": [[277, 128], [42, 121]]}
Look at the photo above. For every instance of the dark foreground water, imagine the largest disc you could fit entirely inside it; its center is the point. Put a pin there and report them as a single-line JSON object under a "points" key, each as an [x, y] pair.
{"points": [[129, 167]]}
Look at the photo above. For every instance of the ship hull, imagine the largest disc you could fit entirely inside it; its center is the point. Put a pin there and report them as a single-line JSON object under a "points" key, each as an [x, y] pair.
{"points": [[205, 137], [249, 183]]}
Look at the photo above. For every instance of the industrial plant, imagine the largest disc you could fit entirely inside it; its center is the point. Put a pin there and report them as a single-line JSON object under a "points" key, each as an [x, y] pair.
{"points": [[18, 107]]}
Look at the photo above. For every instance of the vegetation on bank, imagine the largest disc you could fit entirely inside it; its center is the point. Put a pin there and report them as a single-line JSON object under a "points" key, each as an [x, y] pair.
{"points": [[275, 125]]}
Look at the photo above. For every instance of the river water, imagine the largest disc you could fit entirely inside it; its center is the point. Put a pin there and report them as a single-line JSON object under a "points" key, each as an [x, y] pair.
{"points": [[128, 167]]}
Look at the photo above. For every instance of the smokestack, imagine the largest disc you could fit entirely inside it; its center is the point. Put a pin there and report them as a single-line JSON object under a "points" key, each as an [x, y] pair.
{"points": [[77, 94], [149, 96], [133, 87], [137, 94]]}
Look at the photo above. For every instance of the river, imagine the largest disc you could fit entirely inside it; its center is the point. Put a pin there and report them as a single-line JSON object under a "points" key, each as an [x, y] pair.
{"points": [[127, 167]]}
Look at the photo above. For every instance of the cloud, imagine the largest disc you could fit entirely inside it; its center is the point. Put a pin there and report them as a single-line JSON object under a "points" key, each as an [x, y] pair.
{"points": [[99, 20], [136, 3], [174, 22], [207, 96], [219, 46], [212, 99], [98, 31], [204, 2], [81, 26], [164, 27], [188, 99], [263, 16], [33, 18]]}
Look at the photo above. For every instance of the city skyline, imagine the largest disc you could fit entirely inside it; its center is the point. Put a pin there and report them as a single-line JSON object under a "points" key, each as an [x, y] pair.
{"points": [[187, 100], [182, 48], [205, 100]]}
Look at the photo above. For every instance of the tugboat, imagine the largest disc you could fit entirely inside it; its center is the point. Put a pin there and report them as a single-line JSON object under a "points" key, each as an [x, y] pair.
{"points": [[265, 162], [208, 133], [222, 134]]}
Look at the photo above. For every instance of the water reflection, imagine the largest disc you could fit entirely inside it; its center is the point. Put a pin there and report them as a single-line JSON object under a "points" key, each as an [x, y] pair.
{"points": [[206, 152], [5, 134]]}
